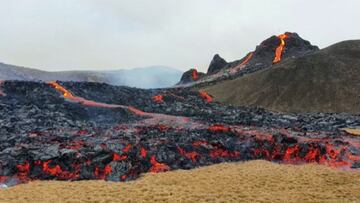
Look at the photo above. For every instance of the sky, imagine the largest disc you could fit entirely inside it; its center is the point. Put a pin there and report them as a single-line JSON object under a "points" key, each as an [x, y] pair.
{"points": [[58, 35]]}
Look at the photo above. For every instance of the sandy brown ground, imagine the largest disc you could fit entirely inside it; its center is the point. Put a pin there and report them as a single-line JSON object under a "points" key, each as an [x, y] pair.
{"points": [[255, 181]]}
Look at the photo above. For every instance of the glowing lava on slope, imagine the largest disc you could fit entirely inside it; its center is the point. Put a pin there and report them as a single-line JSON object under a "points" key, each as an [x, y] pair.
{"points": [[1, 92], [154, 118], [158, 98], [68, 95], [205, 96], [279, 50], [247, 59], [157, 167], [195, 75]]}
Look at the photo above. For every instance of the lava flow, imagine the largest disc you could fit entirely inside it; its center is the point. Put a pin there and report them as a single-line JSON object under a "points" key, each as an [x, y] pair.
{"points": [[247, 59], [68, 95], [154, 118], [195, 75], [206, 96], [158, 98], [280, 48], [1, 92], [76, 144]]}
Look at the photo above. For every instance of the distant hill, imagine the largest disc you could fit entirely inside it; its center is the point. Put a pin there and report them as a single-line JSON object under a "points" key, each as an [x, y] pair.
{"points": [[147, 77], [323, 81]]}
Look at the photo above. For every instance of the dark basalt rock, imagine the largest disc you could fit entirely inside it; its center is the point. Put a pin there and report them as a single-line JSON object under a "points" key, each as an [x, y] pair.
{"points": [[216, 64]]}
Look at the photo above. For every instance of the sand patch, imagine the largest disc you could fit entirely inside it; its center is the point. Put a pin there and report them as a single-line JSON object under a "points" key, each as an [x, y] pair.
{"points": [[254, 181]]}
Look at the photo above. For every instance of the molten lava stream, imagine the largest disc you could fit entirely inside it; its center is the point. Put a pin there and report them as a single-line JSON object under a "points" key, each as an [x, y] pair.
{"points": [[280, 48], [68, 95], [247, 59], [205, 96], [154, 119], [195, 75], [158, 98], [157, 167]]}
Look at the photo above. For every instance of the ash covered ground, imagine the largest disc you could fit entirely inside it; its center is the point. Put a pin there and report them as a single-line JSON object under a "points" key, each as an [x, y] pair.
{"points": [[82, 131]]}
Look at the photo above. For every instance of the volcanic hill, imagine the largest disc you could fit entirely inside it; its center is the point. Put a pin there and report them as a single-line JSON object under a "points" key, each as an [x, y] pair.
{"points": [[322, 81], [271, 51]]}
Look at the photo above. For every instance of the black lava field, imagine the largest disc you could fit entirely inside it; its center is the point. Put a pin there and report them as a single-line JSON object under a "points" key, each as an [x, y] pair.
{"points": [[83, 131]]}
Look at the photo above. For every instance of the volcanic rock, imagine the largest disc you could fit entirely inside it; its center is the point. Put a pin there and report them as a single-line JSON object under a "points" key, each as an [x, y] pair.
{"points": [[216, 64]]}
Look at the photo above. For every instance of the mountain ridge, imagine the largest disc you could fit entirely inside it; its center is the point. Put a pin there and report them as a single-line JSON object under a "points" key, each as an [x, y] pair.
{"points": [[141, 77]]}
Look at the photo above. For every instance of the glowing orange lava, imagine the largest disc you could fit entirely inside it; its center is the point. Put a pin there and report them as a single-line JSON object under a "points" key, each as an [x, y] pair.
{"points": [[143, 152], [219, 128], [68, 95], [157, 167], [64, 91], [190, 155], [1, 92], [280, 48], [154, 118], [195, 74], [53, 171], [206, 96], [117, 157], [247, 59], [158, 98]]}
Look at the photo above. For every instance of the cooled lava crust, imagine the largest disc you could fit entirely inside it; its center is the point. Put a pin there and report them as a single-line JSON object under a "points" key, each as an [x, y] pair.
{"points": [[83, 131]]}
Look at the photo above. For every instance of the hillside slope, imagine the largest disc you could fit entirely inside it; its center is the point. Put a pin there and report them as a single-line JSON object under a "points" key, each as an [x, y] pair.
{"points": [[325, 81]]}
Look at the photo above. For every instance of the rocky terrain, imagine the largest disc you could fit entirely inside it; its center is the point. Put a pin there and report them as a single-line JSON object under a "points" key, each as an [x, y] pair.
{"points": [[82, 131]]}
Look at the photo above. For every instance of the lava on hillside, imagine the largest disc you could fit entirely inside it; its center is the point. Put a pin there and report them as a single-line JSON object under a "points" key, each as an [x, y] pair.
{"points": [[83, 131], [279, 50], [195, 75], [271, 51]]}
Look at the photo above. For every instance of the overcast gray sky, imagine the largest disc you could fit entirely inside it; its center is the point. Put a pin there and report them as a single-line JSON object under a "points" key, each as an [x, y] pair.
{"points": [[108, 34]]}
